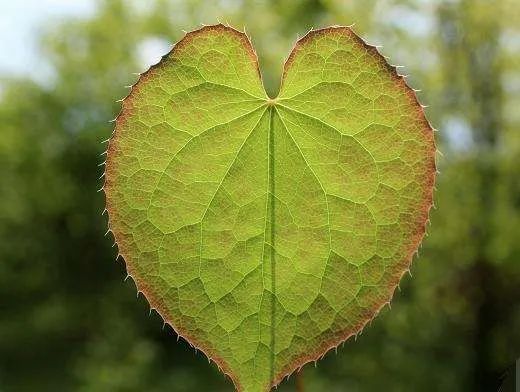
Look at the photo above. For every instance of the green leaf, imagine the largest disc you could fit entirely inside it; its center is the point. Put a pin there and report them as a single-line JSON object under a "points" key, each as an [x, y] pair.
{"points": [[267, 231]]}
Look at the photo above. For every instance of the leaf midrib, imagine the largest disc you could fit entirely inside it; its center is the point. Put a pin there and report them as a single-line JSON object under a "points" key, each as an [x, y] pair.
{"points": [[272, 106]]}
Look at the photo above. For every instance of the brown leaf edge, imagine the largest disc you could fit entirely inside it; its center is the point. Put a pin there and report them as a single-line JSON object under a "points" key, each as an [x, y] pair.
{"points": [[156, 303], [419, 224], [127, 109]]}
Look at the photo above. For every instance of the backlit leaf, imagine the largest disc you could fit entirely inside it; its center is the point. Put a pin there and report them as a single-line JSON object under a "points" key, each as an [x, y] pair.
{"points": [[267, 231]]}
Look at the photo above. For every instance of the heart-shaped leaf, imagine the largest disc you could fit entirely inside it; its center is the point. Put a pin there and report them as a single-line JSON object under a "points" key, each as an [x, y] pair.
{"points": [[267, 231]]}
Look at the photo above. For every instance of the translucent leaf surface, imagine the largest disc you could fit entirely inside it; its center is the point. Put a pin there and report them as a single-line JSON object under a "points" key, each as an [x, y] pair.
{"points": [[267, 231]]}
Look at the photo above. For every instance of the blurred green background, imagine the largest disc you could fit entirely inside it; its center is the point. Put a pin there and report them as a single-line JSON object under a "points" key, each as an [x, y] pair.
{"points": [[68, 322]]}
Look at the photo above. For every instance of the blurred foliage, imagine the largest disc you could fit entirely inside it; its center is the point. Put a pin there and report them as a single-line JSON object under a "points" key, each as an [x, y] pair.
{"points": [[67, 320]]}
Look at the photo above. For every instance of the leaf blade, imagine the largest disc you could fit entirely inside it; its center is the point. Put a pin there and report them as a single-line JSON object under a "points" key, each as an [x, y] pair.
{"points": [[268, 231]]}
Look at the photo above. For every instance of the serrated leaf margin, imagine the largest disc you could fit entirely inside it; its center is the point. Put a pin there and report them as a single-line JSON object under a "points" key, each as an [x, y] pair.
{"points": [[142, 287]]}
